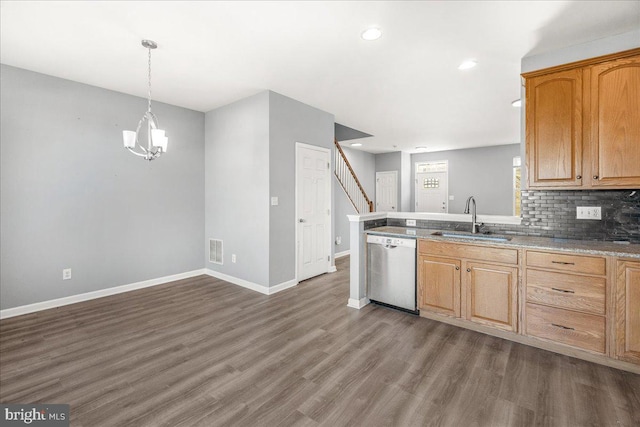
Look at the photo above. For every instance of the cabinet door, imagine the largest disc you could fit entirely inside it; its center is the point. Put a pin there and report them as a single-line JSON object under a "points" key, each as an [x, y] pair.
{"points": [[615, 123], [439, 285], [554, 129], [491, 293], [628, 311]]}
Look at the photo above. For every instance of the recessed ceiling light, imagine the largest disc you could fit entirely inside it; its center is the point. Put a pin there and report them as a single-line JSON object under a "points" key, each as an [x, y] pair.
{"points": [[517, 103], [371, 34], [467, 63], [421, 148], [356, 144]]}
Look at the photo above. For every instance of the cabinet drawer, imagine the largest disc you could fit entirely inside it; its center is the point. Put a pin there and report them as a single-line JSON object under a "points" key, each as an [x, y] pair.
{"points": [[582, 293], [461, 250], [567, 262], [566, 327]]}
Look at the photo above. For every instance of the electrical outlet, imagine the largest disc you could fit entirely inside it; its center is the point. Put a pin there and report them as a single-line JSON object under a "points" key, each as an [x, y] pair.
{"points": [[66, 274], [588, 212], [233, 258], [338, 240], [411, 223]]}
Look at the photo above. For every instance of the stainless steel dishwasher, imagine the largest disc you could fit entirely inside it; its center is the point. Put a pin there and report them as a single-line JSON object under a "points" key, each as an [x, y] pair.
{"points": [[391, 272]]}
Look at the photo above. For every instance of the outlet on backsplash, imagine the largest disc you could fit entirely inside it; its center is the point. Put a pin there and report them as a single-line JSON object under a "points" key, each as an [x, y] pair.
{"points": [[411, 223], [588, 212]]}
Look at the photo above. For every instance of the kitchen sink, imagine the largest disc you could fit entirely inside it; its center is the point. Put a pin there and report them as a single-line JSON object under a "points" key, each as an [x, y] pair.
{"points": [[463, 235]]}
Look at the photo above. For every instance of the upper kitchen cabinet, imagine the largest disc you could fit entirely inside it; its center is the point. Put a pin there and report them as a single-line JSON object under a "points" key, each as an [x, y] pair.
{"points": [[583, 124], [615, 123], [554, 129]]}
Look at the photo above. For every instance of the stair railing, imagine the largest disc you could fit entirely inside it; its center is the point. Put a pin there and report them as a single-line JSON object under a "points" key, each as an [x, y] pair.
{"points": [[350, 182]]}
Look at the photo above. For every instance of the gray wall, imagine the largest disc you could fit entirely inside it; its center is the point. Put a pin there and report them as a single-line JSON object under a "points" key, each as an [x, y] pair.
{"points": [[237, 187], [364, 165], [290, 121], [73, 197], [250, 157], [485, 173]]}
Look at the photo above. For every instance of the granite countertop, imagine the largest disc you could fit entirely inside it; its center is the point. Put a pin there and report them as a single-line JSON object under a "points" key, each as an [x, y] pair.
{"points": [[591, 247]]}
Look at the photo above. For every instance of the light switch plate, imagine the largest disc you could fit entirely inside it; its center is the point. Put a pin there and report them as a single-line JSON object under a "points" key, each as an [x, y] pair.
{"points": [[588, 212], [274, 201]]}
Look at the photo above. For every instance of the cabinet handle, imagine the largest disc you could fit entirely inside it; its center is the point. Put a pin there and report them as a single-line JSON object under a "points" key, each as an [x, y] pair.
{"points": [[468, 270], [595, 176], [563, 327], [563, 290], [457, 268], [579, 177], [563, 263]]}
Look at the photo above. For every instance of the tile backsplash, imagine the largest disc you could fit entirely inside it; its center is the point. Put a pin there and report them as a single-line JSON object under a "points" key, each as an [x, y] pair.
{"points": [[553, 214]]}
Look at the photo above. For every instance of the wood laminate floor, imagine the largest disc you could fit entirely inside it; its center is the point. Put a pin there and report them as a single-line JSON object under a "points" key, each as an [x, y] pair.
{"points": [[201, 351]]}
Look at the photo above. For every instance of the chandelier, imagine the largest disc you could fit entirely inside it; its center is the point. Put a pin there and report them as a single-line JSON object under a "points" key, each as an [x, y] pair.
{"points": [[156, 140]]}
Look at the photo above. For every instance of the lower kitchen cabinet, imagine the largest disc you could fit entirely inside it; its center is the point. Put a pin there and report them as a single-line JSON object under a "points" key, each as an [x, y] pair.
{"points": [[467, 286], [491, 295], [439, 285], [565, 299], [582, 305], [627, 311]]}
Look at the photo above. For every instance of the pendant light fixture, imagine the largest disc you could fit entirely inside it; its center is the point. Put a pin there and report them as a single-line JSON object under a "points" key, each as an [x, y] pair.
{"points": [[147, 126]]}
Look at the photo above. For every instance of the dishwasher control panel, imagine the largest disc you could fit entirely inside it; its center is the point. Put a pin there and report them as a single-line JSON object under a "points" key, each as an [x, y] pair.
{"points": [[391, 241]]}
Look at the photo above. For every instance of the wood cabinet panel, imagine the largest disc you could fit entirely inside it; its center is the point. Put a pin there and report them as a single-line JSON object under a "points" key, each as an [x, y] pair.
{"points": [[582, 124], [491, 293], [567, 262], [615, 123], [628, 311], [554, 129], [568, 327], [439, 285], [581, 293], [461, 250]]}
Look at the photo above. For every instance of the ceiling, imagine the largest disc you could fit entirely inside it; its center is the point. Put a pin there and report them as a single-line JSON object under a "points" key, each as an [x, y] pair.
{"points": [[404, 88]]}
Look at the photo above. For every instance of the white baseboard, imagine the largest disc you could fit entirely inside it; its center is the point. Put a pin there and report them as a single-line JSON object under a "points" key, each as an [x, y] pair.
{"points": [[282, 286], [357, 304], [332, 269], [59, 302], [341, 254], [251, 285]]}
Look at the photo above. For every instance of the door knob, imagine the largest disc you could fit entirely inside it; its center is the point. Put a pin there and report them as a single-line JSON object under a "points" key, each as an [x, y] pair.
{"points": [[468, 270], [595, 176], [579, 177]]}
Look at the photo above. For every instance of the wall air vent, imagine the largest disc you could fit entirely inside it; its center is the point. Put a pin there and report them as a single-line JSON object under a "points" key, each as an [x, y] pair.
{"points": [[215, 251]]}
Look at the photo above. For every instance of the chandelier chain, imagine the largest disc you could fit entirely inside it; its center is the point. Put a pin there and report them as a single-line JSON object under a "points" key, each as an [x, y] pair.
{"points": [[149, 105]]}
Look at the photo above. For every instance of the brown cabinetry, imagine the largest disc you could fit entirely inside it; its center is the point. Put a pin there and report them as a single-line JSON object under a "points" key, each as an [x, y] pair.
{"points": [[583, 124], [473, 283], [566, 298], [627, 311]]}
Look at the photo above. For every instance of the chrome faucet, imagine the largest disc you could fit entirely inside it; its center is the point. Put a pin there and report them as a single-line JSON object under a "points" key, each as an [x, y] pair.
{"points": [[474, 225]]}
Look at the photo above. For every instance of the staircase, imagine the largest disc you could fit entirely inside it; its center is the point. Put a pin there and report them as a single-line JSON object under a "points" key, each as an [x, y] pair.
{"points": [[350, 183]]}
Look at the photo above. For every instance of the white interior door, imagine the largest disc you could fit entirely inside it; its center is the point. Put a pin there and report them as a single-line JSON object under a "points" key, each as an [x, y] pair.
{"points": [[313, 208], [387, 191], [432, 187]]}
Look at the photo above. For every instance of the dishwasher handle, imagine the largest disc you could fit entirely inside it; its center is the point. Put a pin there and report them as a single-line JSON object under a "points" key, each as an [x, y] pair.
{"points": [[389, 246]]}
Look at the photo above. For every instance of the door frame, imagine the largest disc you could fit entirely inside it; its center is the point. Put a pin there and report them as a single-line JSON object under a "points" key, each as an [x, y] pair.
{"points": [[415, 181], [299, 145], [395, 172]]}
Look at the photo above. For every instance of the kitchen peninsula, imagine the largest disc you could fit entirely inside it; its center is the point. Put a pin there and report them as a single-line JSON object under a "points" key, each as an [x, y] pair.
{"points": [[564, 295]]}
